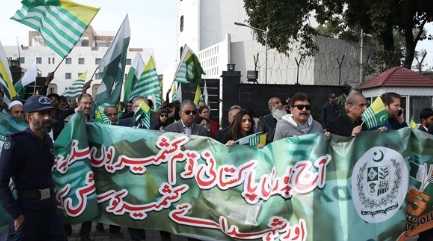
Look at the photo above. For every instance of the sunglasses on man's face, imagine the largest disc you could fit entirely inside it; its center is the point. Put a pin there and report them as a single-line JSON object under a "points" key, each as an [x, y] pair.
{"points": [[190, 112], [302, 107], [164, 115]]}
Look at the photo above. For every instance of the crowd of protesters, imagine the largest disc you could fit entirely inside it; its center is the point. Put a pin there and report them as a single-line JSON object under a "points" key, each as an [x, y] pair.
{"points": [[291, 117]]}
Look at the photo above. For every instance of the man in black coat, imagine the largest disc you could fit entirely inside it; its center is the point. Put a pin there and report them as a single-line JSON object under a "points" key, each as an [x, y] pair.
{"points": [[267, 123]]}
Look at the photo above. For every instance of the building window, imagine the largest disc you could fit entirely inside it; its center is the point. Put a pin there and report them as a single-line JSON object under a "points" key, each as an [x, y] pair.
{"points": [[68, 75], [98, 61], [38, 60], [80, 60], [22, 60], [50, 60], [128, 61], [98, 75], [181, 52], [85, 43], [68, 60], [181, 23]]}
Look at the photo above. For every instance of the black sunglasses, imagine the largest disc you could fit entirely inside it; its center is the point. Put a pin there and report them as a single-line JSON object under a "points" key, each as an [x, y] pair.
{"points": [[301, 107], [189, 112]]}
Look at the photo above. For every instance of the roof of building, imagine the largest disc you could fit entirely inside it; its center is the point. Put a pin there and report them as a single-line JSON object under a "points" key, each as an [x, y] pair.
{"points": [[398, 77]]}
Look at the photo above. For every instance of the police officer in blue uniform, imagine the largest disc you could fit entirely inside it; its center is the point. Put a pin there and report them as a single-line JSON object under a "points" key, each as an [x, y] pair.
{"points": [[27, 157]]}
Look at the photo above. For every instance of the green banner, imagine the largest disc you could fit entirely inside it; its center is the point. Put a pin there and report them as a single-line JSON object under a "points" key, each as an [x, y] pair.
{"points": [[305, 188]]}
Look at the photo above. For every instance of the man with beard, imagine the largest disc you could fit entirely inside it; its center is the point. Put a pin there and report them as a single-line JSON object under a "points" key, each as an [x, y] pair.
{"points": [[16, 109], [426, 117], [300, 121], [27, 158], [268, 122]]}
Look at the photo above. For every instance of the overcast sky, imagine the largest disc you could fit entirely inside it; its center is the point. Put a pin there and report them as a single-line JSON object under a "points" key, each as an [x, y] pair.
{"points": [[153, 25]]}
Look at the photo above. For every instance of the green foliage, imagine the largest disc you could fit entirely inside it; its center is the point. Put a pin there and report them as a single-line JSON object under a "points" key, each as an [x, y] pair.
{"points": [[290, 21]]}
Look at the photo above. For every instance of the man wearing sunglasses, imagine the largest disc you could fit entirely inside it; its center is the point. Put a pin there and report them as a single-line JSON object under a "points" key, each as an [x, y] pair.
{"points": [[186, 123], [300, 121]]}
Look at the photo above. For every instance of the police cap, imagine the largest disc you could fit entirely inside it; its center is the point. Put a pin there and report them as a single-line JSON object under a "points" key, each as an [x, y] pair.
{"points": [[37, 103]]}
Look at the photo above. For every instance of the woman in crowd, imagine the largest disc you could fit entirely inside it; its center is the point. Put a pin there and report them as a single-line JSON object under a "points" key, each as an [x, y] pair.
{"points": [[163, 118], [204, 120], [242, 125]]}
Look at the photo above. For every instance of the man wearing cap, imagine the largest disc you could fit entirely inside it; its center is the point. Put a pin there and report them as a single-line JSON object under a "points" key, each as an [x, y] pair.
{"points": [[27, 158], [16, 109]]}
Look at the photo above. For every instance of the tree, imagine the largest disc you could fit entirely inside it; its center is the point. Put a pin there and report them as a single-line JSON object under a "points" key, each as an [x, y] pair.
{"points": [[290, 21]]}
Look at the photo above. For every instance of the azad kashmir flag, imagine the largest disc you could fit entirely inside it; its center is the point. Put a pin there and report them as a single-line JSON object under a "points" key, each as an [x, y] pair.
{"points": [[76, 87], [6, 82], [60, 22], [142, 116], [101, 117], [113, 66], [189, 68], [377, 186], [134, 74], [253, 140], [8, 126], [28, 78], [148, 85], [375, 115]]}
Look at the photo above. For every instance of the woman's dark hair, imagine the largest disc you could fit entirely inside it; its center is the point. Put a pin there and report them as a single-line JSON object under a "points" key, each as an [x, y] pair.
{"points": [[235, 127], [203, 107]]}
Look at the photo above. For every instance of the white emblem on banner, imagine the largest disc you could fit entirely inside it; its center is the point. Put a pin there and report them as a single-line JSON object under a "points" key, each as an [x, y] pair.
{"points": [[379, 184]]}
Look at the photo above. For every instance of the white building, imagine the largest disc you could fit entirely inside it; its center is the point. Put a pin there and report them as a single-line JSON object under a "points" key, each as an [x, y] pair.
{"points": [[84, 58], [207, 27]]}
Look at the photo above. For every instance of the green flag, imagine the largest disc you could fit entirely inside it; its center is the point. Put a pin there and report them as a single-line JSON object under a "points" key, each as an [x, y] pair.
{"points": [[189, 68], [60, 22], [133, 75], [148, 85], [113, 67], [28, 78], [76, 87], [375, 115], [198, 96], [142, 116], [6, 82], [101, 117]]}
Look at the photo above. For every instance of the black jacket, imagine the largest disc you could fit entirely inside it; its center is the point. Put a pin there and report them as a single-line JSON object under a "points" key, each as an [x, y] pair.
{"points": [[267, 124]]}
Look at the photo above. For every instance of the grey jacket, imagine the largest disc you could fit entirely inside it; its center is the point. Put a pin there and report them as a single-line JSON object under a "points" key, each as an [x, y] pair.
{"points": [[195, 129], [287, 127]]}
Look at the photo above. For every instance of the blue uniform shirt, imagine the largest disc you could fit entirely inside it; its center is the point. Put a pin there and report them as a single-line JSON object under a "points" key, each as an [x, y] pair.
{"points": [[28, 160]]}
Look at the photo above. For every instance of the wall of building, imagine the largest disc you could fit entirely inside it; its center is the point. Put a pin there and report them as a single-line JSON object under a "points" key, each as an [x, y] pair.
{"points": [[282, 69], [331, 51], [190, 34]]}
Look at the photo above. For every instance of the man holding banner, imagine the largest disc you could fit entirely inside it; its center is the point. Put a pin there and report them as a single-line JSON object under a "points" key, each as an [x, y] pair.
{"points": [[27, 158]]}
